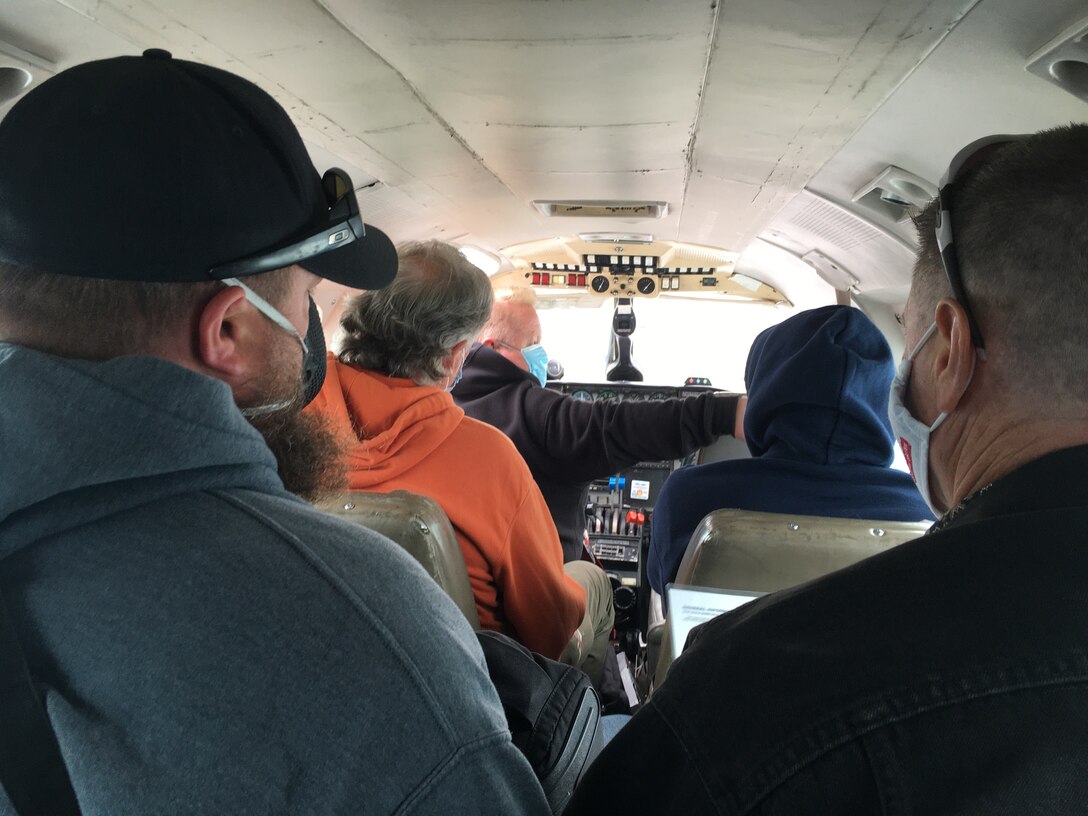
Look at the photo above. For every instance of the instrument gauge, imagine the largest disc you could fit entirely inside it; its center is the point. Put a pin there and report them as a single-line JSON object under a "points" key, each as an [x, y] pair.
{"points": [[582, 395]]}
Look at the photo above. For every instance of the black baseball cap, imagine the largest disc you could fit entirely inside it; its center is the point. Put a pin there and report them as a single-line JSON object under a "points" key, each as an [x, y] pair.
{"points": [[155, 169]]}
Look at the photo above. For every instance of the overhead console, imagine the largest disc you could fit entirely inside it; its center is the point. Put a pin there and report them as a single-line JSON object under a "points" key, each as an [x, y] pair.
{"points": [[634, 269]]}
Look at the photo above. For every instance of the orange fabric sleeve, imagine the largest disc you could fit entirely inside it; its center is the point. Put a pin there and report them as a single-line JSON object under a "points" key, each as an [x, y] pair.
{"points": [[539, 600]]}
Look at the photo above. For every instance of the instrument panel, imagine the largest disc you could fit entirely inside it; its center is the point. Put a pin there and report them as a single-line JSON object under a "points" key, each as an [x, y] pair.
{"points": [[627, 392], [619, 507]]}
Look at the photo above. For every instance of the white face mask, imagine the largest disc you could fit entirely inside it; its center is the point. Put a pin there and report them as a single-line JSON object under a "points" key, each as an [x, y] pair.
{"points": [[913, 435]]}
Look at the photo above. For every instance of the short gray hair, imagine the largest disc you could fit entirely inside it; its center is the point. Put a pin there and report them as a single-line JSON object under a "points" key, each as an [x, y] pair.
{"points": [[437, 300], [1021, 238]]}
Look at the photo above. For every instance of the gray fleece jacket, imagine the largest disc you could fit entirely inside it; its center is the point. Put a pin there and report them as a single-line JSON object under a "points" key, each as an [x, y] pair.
{"points": [[209, 643]]}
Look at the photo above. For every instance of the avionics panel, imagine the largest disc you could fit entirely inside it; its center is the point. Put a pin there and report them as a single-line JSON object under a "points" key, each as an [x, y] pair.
{"points": [[628, 392], [619, 507]]}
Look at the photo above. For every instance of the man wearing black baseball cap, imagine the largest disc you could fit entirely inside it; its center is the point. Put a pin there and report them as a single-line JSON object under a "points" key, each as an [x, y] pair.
{"points": [[198, 638]]}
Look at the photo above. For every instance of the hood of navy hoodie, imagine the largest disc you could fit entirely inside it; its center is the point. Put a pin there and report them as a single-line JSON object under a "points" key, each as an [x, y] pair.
{"points": [[818, 387], [80, 440]]}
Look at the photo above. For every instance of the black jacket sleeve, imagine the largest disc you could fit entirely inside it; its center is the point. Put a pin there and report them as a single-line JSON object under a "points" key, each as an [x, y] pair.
{"points": [[585, 440]]}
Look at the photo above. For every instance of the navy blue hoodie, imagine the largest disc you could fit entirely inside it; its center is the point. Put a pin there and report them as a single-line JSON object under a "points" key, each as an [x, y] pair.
{"points": [[817, 425]]}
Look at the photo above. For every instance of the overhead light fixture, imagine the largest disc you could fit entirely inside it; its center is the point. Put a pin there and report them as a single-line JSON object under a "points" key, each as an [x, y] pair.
{"points": [[616, 237], [602, 209], [482, 259], [899, 187]]}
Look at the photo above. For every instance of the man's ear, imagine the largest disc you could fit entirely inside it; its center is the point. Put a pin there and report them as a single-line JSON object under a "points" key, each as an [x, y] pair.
{"points": [[222, 331], [458, 352], [455, 358], [955, 362]]}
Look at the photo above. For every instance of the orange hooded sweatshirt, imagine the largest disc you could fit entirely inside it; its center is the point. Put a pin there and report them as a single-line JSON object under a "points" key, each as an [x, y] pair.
{"points": [[414, 438]]}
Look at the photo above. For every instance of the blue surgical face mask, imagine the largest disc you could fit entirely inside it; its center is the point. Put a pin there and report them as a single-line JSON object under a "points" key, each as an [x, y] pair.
{"points": [[537, 359], [914, 435], [456, 379]]}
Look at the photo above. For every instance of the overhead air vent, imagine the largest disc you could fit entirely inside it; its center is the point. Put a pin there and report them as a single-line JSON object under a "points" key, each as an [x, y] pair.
{"points": [[1064, 61], [896, 193], [602, 209], [871, 249], [834, 224]]}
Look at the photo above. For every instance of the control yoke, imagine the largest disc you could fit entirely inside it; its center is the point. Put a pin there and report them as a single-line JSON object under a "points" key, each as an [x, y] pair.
{"points": [[621, 365]]}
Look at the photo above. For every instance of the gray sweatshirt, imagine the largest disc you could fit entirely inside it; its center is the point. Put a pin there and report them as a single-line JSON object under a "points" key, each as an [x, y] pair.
{"points": [[208, 642]]}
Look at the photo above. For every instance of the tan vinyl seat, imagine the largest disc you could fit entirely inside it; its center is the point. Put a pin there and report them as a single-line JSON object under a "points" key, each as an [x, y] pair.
{"points": [[765, 552], [421, 527]]}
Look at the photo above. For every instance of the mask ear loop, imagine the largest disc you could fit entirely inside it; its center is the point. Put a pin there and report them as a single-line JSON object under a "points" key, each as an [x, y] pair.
{"points": [[273, 314], [922, 341], [269, 311], [977, 354]]}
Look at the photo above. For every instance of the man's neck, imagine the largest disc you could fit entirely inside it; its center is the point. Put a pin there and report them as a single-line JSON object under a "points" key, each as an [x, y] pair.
{"points": [[985, 448]]}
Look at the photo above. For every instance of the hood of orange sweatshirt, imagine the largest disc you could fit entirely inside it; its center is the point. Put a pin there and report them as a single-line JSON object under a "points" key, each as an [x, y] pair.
{"points": [[396, 422]]}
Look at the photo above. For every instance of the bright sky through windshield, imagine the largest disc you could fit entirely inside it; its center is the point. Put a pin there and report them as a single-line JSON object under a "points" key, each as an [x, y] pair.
{"points": [[673, 339]]}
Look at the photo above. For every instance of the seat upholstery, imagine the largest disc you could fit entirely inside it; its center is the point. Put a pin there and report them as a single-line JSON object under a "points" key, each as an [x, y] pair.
{"points": [[765, 552], [419, 525]]}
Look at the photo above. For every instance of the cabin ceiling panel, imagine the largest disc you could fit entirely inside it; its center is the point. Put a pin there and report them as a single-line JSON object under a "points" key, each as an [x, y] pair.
{"points": [[42, 27], [973, 85], [44, 30], [582, 100], [527, 23], [826, 66], [642, 185], [641, 148], [472, 108], [586, 83]]}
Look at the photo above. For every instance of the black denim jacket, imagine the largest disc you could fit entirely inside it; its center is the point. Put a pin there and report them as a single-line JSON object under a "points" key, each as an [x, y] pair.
{"points": [[946, 676]]}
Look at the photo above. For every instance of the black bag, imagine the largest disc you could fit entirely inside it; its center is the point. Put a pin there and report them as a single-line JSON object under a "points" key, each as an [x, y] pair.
{"points": [[552, 710]]}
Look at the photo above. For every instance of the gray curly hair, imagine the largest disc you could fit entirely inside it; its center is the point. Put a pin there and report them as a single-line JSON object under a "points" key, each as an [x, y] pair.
{"points": [[437, 300]]}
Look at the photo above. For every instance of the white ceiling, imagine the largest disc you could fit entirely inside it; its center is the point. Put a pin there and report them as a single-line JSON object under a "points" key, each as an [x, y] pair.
{"points": [[455, 115]]}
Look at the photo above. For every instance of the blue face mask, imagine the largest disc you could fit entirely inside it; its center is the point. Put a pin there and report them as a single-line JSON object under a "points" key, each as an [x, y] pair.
{"points": [[537, 359], [456, 379]]}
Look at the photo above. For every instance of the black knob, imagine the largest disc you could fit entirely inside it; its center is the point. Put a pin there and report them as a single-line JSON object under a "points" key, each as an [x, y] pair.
{"points": [[624, 598], [646, 284], [599, 283]]}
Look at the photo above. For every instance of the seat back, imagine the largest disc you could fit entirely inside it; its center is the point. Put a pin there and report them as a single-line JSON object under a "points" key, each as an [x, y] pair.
{"points": [[419, 525], [765, 552]]}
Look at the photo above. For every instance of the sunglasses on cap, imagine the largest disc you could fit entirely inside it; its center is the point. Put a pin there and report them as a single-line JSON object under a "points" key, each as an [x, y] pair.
{"points": [[344, 226], [963, 164]]}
